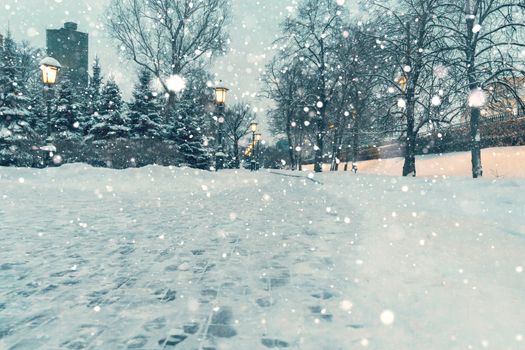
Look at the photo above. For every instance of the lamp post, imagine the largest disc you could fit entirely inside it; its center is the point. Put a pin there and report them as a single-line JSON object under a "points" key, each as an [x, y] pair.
{"points": [[220, 100], [258, 138], [50, 68], [253, 128]]}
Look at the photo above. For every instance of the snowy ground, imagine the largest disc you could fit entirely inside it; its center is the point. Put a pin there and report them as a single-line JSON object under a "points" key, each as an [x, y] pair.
{"points": [[499, 162], [160, 258]]}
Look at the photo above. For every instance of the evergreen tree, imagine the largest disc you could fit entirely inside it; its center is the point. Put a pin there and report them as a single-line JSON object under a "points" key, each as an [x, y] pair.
{"points": [[65, 122], [188, 138], [14, 109], [144, 110], [111, 123], [91, 105], [30, 77], [38, 106]]}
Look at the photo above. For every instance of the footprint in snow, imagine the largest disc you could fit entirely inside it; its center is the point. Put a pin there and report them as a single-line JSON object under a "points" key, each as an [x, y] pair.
{"points": [[155, 324], [265, 302], [166, 295], [220, 325], [274, 343], [172, 341], [137, 342], [191, 328], [324, 295]]}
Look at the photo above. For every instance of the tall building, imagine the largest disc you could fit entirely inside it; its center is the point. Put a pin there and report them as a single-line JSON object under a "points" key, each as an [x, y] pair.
{"points": [[70, 48]]}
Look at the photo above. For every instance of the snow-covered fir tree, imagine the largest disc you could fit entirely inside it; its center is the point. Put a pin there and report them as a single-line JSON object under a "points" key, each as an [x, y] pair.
{"points": [[38, 105], [65, 122], [111, 122], [28, 58], [187, 134], [144, 111], [91, 102], [14, 109]]}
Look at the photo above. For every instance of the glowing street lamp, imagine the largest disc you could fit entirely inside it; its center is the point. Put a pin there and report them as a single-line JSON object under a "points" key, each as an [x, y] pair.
{"points": [[253, 128], [220, 100], [50, 68], [220, 95], [258, 139]]}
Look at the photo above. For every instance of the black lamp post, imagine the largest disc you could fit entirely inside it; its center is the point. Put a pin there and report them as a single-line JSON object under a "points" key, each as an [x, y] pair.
{"points": [[50, 68], [253, 128], [258, 138], [220, 100]]}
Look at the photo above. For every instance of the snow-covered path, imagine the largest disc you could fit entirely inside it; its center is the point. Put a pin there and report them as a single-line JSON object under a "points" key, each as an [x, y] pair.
{"points": [[160, 258]]}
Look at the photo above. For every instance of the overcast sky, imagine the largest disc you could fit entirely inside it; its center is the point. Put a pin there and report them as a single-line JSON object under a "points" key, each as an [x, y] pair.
{"points": [[254, 27]]}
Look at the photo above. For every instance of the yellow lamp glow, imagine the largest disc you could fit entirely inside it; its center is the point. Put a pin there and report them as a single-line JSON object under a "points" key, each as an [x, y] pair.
{"points": [[258, 137], [220, 95], [50, 68], [253, 126], [248, 151], [402, 82]]}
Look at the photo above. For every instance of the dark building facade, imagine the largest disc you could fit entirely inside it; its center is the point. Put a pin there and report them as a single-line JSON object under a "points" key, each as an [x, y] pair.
{"points": [[70, 48]]}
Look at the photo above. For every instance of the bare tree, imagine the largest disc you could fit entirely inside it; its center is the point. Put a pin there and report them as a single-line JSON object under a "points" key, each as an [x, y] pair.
{"points": [[284, 83], [236, 126], [412, 49], [356, 94], [168, 37], [486, 37], [313, 37]]}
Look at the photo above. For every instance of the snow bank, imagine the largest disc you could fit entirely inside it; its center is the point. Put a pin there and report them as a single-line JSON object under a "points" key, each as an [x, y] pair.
{"points": [[167, 258], [506, 162]]}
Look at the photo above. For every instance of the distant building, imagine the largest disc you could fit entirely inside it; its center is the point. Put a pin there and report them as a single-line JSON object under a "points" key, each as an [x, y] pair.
{"points": [[505, 98], [70, 48]]}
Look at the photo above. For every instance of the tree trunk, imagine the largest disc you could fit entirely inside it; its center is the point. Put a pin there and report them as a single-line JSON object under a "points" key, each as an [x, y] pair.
{"points": [[321, 132], [475, 136], [475, 139], [291, 154], [409, 168], [337, 149], [333, 165], [237, 162], [170, 106], [355, 144], [291, 148], [318, 167]]}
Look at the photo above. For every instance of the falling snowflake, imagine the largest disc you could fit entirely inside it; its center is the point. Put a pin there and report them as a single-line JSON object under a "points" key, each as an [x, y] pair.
{"points": [[477, 98], [476, 28], [176, 83], [387, 317]]}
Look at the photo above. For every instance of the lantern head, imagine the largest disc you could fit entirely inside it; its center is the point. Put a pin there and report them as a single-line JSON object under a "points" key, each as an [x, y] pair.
{"points": [[220, 95], [253, 126], [50, 68]]}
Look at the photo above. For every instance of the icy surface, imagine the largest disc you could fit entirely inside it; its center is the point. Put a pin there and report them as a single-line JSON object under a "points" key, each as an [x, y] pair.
{"points": [[160, 258]]}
